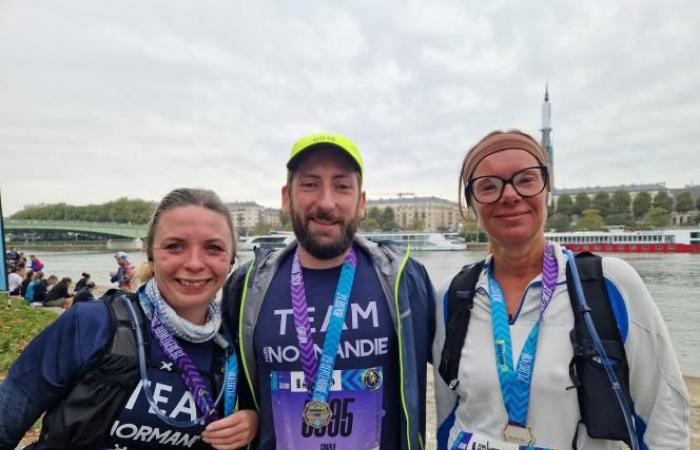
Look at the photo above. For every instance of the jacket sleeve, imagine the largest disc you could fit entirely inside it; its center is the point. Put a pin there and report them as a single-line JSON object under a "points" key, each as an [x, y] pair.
{"points": [[658, 391], [232, 292], [47, 369], [445, 398], [423, 300], [19, 412]]}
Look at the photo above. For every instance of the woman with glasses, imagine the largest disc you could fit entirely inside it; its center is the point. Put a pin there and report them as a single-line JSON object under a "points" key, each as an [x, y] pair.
{"points": [[510, 382], [146, 370]]}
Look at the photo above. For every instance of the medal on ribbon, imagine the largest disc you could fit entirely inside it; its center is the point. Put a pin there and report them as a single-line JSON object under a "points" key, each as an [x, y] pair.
{"points": [[317, 412], [515, 382], [518, 435]]}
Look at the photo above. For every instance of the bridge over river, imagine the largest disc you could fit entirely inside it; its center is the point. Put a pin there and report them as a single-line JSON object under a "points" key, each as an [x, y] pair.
{"points": [[117, 234]]}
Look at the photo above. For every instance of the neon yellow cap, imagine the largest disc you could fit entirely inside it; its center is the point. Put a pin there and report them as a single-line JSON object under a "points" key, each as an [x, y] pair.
{"points": [[335, 140]]}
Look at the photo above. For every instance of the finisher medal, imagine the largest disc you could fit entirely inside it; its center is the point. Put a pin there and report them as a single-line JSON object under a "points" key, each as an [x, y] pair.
{"points": [[317, 414], [518, 435]]}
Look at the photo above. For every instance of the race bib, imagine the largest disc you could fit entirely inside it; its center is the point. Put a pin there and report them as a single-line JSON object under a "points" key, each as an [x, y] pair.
{"points": [[356, 403], [473, 441]]}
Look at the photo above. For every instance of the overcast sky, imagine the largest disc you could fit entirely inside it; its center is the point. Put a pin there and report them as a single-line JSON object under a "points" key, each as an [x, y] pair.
{"points": [[105, 99]]}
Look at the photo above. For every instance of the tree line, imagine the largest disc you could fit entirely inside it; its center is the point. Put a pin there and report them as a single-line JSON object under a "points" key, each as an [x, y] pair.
{"points": [[122, 210], [380, 219], [644, 212]]}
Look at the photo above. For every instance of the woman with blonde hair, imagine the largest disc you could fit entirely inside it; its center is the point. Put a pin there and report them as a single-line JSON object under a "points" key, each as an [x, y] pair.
{"points": [[529, 368]]}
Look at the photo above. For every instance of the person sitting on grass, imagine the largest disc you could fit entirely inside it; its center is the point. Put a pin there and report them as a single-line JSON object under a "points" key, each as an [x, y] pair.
{"points": [[85, 293], [59, 295], [25, 283], [31, 287], [14, 280], [81, 282], [41, 288]]}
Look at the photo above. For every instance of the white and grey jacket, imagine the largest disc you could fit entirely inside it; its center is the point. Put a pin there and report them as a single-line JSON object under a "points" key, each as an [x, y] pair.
{"points": [[660, 397]]}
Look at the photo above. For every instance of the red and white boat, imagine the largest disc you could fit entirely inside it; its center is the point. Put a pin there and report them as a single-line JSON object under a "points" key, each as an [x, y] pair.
{"points": [[659, 241]]}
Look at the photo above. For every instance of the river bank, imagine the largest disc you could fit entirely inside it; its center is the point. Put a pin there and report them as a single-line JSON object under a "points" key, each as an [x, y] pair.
{"points": [[44, 246]]}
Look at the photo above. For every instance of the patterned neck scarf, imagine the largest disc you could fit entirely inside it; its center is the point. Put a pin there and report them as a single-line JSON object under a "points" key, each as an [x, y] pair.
{"points": [[153, 303]]}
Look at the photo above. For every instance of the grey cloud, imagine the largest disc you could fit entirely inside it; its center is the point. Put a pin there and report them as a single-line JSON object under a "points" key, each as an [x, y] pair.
{"points": [[213, 94]]}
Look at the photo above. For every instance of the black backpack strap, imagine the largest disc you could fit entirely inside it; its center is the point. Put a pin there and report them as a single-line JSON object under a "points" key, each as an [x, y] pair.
{"points": [[590, 269], [460, 300], [124, 336], [597, 403]]}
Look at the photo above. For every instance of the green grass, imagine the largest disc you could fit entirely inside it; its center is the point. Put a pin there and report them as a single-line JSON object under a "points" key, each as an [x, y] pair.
{"points": [[19, 324]]}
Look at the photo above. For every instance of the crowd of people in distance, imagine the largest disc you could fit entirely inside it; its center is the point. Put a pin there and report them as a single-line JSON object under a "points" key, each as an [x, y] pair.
{"points": [[39, 290], [27, 279], [31, 284]]}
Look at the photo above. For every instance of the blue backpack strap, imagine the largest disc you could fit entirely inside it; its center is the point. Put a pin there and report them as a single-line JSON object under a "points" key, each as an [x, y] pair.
{"points": [[597, 401], [460, 296]]}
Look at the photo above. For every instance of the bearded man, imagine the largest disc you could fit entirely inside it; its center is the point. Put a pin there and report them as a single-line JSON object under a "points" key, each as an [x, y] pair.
{"points": [[333, 331]]}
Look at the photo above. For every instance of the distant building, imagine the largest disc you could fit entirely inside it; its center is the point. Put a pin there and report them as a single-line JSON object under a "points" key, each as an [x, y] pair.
{"points": [[246, 215], [684, 219], [690, 217], [271, 216], [693, 189], [432, 212]]}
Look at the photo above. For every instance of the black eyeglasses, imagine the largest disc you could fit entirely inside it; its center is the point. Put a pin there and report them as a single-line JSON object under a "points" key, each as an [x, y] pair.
{"points": [[527, 183]]}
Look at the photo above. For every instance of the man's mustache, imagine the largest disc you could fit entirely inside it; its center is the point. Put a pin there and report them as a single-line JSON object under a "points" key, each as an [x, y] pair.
{"points": [[322, 215]]}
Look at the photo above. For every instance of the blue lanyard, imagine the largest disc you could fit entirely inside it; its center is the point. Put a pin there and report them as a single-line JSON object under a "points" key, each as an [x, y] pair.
{"points": [[322, 385], [515, 384], [230, 381]]}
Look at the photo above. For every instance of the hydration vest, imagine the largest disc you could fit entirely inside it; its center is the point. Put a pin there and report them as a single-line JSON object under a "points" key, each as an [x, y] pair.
{"points": [[597, 402], [82, 420]]}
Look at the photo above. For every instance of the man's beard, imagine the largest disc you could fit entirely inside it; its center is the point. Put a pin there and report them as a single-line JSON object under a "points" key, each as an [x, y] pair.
{"points": [[320, 249]]}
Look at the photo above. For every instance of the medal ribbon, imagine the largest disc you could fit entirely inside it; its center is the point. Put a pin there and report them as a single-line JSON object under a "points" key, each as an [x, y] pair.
{"points": [[188, 371], [322, 372], [230, 383], [515, 385]]}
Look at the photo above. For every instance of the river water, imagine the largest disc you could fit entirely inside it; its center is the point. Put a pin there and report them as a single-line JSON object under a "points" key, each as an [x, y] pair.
{"points": [[672, 279]]}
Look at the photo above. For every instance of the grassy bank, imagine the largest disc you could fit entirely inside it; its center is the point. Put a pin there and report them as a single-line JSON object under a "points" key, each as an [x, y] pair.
{"points": [[18, 325]]}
